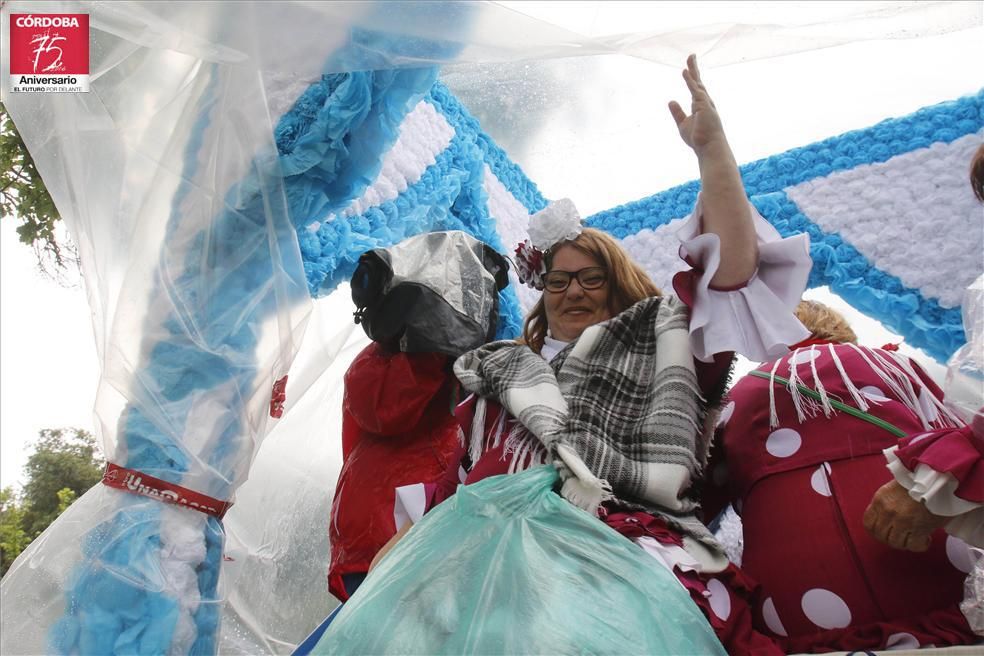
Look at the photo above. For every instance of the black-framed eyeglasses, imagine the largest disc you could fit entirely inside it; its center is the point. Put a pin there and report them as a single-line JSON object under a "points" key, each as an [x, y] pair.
{"points": [[557, 281]]}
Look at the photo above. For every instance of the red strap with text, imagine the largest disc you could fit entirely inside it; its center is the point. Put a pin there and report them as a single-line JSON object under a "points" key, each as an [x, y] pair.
{"points": [[130, 480]]}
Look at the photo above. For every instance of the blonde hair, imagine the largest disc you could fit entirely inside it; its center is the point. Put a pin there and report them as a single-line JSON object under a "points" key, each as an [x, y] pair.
{"points": [[824, 322], [627, 282]]}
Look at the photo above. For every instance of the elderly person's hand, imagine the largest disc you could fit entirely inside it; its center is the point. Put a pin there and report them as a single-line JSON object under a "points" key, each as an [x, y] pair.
{"points": [[703, 127], [898, 520]]}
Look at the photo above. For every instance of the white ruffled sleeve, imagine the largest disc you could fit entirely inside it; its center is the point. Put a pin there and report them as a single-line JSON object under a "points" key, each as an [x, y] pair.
{"points": [[409, 504], [937, 490], [756, 319]]}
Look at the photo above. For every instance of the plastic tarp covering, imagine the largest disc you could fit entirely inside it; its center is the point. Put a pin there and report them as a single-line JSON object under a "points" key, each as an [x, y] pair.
{"points": [[963, 390], [437, 292], [450, 266], [507, 566], [169, 177]]}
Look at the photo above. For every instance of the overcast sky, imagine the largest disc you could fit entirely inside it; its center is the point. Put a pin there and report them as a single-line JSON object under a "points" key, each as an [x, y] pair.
{"points": [[49, 371]]}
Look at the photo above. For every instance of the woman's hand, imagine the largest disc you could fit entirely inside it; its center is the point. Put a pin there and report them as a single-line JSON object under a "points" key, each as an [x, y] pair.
{"points": [[896, 519], [703, 127], [724, 206]]}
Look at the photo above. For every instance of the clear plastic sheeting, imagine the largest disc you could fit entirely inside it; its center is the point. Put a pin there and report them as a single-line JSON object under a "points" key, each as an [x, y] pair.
{"points": [[507, 566], [963, 390], [285, 39], [168, 179], [727, 32], [963, 393], [451, 264], [274, 575], [973, 604]]}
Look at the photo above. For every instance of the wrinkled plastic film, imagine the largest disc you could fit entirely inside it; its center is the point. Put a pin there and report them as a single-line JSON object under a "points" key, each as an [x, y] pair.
{"points": [[450, 264], [199, 304], [164, 175], [273, 583], [972, 606], [963, 390], [507, 566], [432, 33]]}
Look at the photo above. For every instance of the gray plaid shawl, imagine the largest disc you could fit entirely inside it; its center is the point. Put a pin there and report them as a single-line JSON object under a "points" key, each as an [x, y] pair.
{"points": [[619, 410]]}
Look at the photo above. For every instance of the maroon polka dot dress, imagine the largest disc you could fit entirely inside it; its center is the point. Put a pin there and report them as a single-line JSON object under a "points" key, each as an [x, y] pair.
{"points": [[801, 473]]}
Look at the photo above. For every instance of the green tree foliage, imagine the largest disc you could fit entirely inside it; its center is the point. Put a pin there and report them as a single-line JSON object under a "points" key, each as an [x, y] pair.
{"points": [[66, 496], [23, 194], [64, 462], [13, 538]]}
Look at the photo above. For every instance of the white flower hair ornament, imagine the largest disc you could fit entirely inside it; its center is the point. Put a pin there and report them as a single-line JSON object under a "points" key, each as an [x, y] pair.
{"points": [[557, 222]]}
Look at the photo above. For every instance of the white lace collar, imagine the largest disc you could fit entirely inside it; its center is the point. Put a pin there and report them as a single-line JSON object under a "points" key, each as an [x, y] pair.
{"points": [[551, 347]]}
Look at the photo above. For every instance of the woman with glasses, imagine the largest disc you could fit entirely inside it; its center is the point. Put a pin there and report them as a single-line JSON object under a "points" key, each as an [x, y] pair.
{"points": [[614, 382]]}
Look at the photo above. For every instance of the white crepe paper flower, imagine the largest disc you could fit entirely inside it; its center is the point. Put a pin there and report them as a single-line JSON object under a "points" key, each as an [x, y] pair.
{"points": [[557, 222]]}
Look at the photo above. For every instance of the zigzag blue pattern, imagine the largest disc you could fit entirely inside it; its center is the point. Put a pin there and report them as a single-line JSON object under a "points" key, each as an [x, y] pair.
{"points": [[448, 196], [851, 275], [508, 173], [921, 320], [940, 123]]}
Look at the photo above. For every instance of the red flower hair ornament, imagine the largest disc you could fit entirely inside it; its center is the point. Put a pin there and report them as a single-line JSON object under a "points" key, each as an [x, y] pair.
{"points": [[557, 222]]}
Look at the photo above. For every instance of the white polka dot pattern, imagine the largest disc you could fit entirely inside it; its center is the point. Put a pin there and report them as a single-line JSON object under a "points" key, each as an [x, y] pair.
{"points": [[771, 618], [872, 393], [958, 553], [902, 640], [825, 609], [819, 481], [720, 599], [783, 442], [804, 356]]}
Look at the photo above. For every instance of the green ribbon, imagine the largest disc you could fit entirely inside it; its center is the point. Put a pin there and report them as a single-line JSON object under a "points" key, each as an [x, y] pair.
{"points": [[854, 412]]}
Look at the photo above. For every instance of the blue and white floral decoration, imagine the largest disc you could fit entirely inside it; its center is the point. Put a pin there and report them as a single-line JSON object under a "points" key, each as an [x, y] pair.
{"points": [[894, 226]]}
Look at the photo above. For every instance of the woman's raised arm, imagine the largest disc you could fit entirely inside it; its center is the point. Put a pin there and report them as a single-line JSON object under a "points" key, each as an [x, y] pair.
{"points": [[723, 200]]}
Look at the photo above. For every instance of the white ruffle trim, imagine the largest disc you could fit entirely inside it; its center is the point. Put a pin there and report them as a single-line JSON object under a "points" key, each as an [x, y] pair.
{"points": [[692, 557], [551, 347], [756, 320], [409, 504], [669, 555], [936, 490]]}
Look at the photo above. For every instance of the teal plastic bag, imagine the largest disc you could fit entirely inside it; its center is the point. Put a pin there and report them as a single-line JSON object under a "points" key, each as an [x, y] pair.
{"points": [[506, 566]]}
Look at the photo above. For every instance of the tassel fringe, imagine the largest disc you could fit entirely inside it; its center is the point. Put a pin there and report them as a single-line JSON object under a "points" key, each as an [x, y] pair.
{"points": [[477, 442], [773, 414], [582, 488], [824, 399], [859, 399]]}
